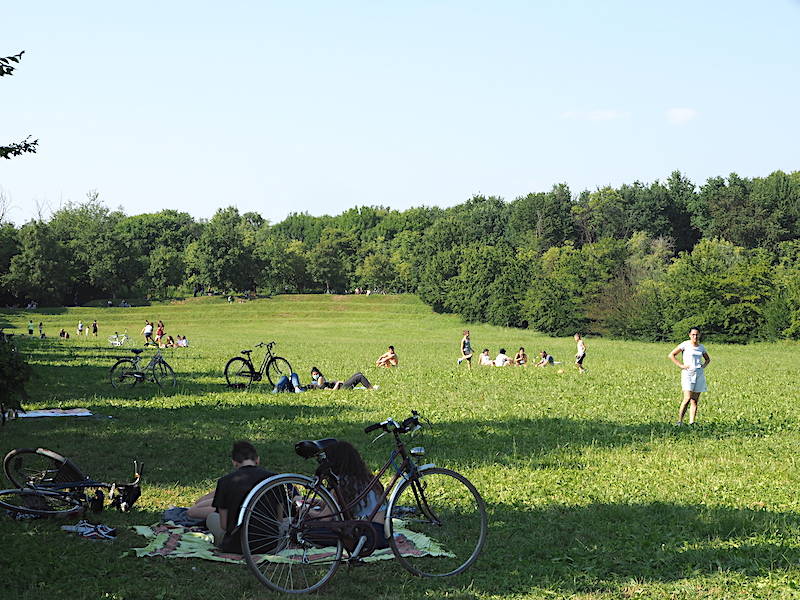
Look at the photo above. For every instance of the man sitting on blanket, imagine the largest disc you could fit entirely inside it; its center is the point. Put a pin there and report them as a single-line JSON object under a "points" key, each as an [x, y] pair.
{"points": [[221, 507]]}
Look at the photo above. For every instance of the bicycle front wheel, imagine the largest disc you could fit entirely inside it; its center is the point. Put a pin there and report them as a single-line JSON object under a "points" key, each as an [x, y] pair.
{"points": [[277, 368], [34, 467], [445, 508], [163, 375], [40, 503], [280, 543], [239, 373], [124, 373]]}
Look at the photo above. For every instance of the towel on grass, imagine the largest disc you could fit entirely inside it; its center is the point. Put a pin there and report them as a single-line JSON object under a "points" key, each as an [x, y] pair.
{"points": [[56, 412], [175, 541]]}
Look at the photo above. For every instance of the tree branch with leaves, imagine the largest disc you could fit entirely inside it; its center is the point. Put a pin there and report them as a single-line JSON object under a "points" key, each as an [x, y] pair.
{"points": [[7, 67]]}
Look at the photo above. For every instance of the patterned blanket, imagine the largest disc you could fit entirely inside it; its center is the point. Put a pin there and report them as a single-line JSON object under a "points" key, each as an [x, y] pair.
{"points": [[175, 541]]}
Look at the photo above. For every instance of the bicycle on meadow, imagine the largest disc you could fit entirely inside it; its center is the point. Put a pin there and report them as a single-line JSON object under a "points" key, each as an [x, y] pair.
{"points": [[127, 371], [240, 371], [118, 339], [51, 485], [296, 530]]}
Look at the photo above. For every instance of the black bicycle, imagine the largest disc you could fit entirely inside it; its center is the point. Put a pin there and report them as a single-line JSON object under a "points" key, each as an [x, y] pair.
{"points": [[296, 528], [240, 371], [129, 372], [51, 485]]}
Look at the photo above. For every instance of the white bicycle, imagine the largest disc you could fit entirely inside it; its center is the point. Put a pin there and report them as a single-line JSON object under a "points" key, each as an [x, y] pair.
{"points": [[118, 339]]}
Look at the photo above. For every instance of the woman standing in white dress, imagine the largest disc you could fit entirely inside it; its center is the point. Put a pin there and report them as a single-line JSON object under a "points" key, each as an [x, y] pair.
{"points": [[693, 376]]}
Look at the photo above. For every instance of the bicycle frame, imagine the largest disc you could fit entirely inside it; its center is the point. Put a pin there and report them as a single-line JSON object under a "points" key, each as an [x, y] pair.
{"points": [[408, 469]]}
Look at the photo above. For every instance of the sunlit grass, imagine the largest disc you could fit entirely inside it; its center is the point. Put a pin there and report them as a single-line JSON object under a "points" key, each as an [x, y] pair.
{"points": [[592, 491]]}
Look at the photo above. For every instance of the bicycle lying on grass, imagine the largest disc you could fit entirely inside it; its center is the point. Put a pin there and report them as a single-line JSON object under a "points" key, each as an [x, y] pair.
{"points": [[240, 372], [127, 372], [50, 485], [118, 339], [295, 528]]}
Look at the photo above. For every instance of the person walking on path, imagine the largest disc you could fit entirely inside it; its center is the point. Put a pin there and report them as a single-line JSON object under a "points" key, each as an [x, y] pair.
{"points": [[41, 330], [581, 353], [466, 349], [94, 328], [30, 326], [80, 327], [693, 376]]}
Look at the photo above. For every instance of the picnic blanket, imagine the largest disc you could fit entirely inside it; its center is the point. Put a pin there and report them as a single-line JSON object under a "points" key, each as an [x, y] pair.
{"points": [[56, 412], [175, 541]]}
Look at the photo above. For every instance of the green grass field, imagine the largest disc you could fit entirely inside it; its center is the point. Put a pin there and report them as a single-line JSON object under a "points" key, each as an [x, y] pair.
{"points": [[592, 492]]}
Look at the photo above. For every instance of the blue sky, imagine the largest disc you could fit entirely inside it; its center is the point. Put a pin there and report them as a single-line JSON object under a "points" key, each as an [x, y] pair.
{"points": [[320, 106]]}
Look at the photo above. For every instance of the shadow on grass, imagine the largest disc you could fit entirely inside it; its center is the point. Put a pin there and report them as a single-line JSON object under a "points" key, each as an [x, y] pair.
{"points": [[600, 546]]}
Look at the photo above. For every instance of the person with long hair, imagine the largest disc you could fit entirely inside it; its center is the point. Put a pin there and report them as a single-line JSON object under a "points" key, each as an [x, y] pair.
{"points": [[355, 479]]}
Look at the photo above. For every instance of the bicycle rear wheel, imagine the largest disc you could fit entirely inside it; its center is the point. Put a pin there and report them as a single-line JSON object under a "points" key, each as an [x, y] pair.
{"points": [[124, 373], [239, 373], [40, 503], [283, 550], [445, 507], [34, 467], [163, 375], [277, 368]]}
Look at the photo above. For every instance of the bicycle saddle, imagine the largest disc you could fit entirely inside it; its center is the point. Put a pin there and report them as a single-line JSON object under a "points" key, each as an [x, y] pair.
{"points": [[246, 351], [309, 448], [137, 351]]}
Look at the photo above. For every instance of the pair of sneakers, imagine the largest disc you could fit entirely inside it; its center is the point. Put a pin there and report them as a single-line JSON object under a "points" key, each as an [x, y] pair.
{"points": [[90, 531]]}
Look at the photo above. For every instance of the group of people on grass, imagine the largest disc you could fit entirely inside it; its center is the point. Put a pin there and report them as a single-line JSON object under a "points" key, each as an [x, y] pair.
{"points": [[520, 358], [220, 508], [291, 382], [161, 339]]}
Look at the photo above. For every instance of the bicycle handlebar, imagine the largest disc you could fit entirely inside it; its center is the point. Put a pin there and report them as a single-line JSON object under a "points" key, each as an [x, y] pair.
{"points": [[262, 344], [409, 424]]}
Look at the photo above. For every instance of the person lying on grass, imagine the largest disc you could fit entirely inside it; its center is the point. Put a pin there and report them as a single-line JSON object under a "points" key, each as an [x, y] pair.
{"points": [[545, 359], [221, 507], [318, 382], [388, 358]]}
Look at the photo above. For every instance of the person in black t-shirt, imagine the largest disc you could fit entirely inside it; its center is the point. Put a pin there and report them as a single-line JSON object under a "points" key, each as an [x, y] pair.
{"points": [[231, 491]]}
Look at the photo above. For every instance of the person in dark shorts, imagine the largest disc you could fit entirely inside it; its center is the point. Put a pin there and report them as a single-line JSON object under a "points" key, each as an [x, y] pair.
{"points": [[231, 491], [466, 349]]}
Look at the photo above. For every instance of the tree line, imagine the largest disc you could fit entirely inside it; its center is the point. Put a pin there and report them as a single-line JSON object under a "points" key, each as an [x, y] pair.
{"points": [[641, 261]]}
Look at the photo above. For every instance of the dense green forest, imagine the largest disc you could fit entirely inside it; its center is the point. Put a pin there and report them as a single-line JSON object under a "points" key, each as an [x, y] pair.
{"points": [[641, 261]]}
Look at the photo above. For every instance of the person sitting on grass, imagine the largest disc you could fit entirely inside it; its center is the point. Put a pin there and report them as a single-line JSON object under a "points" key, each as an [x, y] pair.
{"points": [[521, 359], [220, 508], [388, 358], [354, 478], [485, 360], [319, 382], [169, 343], [502, 359], [545, 360]]}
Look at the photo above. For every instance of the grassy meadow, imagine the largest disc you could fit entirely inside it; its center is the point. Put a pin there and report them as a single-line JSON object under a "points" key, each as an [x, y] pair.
{"points": [[592, 491]]}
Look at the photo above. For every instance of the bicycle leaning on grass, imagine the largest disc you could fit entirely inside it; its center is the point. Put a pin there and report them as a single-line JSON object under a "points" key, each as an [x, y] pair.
{"points": [[51, 485], [240, 372], [127, 371], [296, 530]]}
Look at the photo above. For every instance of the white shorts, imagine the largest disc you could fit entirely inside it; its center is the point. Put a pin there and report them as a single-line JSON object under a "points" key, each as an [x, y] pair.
{"points": [[693, 380]]}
